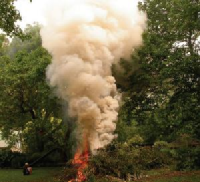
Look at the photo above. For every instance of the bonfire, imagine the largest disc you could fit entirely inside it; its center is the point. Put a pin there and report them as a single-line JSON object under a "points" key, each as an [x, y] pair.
{"points": [[80, 162]]}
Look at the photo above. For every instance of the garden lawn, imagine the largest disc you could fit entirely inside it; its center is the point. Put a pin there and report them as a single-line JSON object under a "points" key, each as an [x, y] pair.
{"points": [[38, 175], [172, 176]]}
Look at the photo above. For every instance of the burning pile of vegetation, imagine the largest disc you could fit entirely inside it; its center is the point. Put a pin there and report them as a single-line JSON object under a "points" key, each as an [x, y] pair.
{"points": [[116, 162]]}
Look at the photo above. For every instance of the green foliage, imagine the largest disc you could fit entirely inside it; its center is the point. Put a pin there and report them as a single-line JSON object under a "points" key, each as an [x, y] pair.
{"points": [[32, 42], [11, 159], [8, 17], [3, 44], [122, 160], [53, 159], [188, 158], [161, 144], [18, 161], [136, 140], [124, 131], [5, 158], [27, 104], [161, 96], [186, 152]]}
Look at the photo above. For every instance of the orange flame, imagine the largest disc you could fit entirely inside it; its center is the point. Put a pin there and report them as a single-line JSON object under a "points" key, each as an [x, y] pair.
{"points": [[80, 162]]}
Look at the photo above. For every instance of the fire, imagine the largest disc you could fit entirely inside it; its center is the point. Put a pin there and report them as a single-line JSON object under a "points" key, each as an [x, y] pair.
{"points": [[80, 162]]}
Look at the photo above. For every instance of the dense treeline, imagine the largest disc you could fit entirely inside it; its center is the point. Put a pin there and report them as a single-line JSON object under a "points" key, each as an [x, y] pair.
{"points": [[162, 96], [29, 111]]}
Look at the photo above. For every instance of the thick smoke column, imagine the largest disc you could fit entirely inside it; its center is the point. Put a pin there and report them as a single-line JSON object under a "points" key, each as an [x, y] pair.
{"points": [[85, 37]]}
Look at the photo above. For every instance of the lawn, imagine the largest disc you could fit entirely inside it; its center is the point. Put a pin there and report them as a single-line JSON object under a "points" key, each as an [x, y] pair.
{"points": [[38, 175], [171, 176], [48, 175]]}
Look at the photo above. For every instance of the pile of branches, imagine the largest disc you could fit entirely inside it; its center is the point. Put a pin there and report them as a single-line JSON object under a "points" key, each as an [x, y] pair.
{"points": [[118, 162], [68, 173], [125, 162]]}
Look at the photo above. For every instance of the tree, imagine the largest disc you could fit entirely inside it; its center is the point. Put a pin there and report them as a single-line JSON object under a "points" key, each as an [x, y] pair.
{"points": [[32, 42], [8, 17], [163, 94], [27, 104], [3, 44]]}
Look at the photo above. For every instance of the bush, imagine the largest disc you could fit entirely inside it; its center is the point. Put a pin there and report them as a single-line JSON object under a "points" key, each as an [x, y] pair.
{"points": [[5, 158], [186, 152], [18, 161], [161, 144], [33, 157], [52, 159], [188, 158], [136, 140], [123, 160], [119, 162], [11, 159]]}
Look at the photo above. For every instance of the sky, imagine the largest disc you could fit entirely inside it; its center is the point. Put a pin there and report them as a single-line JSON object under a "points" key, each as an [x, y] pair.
{"points": [[31, 12]]}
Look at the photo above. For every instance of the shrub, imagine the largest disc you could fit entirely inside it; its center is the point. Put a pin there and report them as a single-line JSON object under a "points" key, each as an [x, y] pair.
{"points": [[52, 159], [136, 140], [188, 158], [11, 159], [5, 158], [186, 152], [161, 144], [18, 161], [123, 160], [33, 157]]}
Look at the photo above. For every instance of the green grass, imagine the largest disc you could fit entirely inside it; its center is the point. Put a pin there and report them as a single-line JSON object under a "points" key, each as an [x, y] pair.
{"points": [[195, 178], [48, 175], [38, 175], [165, 175]]}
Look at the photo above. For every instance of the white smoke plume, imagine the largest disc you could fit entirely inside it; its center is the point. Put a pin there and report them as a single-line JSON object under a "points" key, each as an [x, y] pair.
{"points": [[85, 37]]}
